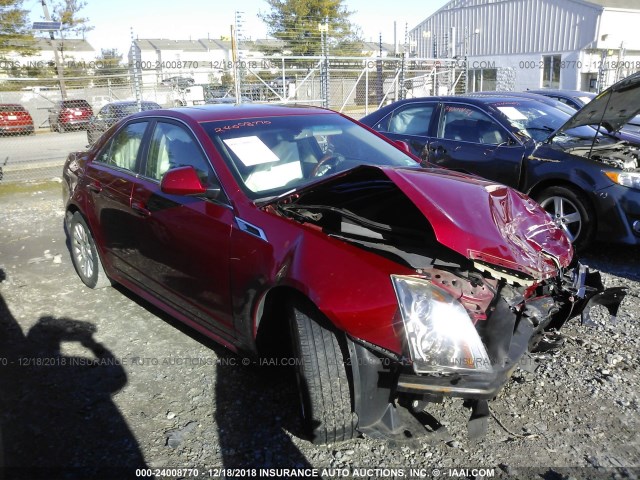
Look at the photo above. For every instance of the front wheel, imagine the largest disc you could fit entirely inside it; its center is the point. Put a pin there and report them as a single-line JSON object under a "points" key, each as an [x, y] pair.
{"points": [[321, 373], [570, 211], [84, 254]]}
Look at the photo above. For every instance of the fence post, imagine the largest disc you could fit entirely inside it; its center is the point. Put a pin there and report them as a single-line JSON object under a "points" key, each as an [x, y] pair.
{"points": [[136, 72]]}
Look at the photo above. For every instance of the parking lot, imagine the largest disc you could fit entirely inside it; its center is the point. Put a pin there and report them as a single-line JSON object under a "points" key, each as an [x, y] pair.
{"points": [[100, 382], [39, 156]]}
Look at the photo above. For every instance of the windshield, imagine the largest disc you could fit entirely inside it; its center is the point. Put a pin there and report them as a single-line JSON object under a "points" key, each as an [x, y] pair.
{"points": [[538, 120], [584, 99], [273, 155]]}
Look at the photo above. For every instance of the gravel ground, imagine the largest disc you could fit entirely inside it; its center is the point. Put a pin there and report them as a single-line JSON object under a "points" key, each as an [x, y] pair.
{"points": [[96, 383]]}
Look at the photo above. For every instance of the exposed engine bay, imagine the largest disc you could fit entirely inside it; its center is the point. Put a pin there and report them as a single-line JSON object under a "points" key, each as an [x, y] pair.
{"points": [[620, 154]]}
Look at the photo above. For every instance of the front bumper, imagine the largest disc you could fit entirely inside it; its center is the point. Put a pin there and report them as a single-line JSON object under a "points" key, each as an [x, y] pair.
{"points": [[618, 208], [384, 385]]}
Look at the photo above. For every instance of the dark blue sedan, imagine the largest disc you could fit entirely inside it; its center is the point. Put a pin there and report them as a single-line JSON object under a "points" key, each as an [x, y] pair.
{"points": [[588, 181]]}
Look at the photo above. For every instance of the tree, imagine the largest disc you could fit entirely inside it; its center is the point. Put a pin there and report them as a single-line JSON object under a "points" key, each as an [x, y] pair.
{"points": [[68, 13], [296, 22], [109, 68], [15, 31]]}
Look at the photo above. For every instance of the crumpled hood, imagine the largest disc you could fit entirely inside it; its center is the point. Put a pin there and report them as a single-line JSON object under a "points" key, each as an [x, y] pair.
{"points": [[614, 107], [491, 224], [486, 222]]}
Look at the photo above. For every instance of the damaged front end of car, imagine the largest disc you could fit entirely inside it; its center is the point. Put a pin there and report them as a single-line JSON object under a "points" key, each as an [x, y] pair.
{"points": [[490, 276]]}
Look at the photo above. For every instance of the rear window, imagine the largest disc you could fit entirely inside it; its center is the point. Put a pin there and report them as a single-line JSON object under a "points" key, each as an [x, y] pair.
{"points": [[12, 108], [75, 104], [123, 110]]}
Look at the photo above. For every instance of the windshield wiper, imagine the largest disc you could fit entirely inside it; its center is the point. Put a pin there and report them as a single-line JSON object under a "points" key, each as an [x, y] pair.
{"points": [[543, 128], [263, 201]]}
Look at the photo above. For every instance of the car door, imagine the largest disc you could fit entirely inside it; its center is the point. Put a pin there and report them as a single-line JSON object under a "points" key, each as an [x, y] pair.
{"points": [[409, 123], [469, 140], [110, 178], [184, 240]]}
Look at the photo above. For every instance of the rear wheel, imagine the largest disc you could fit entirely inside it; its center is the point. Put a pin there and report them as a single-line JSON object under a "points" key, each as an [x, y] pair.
{"points": [[84, 254], [571, 212], [323, 384]]}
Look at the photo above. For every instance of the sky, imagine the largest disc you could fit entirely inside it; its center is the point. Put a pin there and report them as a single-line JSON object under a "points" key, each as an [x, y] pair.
{"points": [[113, 19]]}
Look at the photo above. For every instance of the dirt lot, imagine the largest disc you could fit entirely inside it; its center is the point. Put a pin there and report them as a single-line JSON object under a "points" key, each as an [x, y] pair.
{"points": [[97, 383]]}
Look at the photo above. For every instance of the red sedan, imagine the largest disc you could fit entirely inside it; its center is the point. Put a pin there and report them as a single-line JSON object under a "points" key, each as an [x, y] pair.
{"points": [[14, 120], [392, 284]]}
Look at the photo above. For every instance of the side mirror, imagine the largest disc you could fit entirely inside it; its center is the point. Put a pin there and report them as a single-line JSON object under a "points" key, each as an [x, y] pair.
{"points": [[182, 181]]}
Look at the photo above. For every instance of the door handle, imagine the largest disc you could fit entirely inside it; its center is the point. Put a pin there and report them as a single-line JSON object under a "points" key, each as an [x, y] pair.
{"points": [[95, 187], [139, 208]]}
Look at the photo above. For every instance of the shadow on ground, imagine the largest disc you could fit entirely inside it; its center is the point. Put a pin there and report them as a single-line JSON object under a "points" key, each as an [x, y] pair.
{"points": [[57, 418]]}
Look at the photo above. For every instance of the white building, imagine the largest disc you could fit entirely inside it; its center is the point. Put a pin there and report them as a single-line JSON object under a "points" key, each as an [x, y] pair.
{"points": [[521, 44], [70, 50]]}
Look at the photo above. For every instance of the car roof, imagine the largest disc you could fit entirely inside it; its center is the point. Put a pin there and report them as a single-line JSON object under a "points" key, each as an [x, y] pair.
{"points": [[568, 93], [129, 102], [478, 98], [214, 112]]}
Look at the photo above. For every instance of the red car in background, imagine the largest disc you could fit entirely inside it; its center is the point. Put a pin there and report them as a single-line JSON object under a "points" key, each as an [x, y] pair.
{"points": [[15, 120], [272, 227], [70, 115]]}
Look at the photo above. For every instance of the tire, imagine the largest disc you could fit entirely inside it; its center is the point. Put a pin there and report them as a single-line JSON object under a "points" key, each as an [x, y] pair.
{"points": [[571, 211], [84, 254], [323, 384]]}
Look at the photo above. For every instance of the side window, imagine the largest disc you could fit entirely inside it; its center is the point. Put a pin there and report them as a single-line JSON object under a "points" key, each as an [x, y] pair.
{"points": [[171, 147], [122, 150], [412, 120], [466, 124]]}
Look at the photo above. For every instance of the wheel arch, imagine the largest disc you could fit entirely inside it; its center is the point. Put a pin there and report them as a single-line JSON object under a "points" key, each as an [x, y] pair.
{"points": [[537, 189], [589, 206], [270, 320]]}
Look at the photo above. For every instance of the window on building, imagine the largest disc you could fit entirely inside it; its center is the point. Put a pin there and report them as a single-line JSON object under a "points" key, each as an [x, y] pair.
{"points": [[551, 71], [483, 79]]}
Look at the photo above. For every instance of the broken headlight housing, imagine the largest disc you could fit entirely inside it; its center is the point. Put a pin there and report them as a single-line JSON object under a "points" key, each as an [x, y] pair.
{"points": [[440, 334]]}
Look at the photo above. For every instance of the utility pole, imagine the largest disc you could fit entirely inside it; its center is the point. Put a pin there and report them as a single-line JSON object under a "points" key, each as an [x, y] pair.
{"points": [[59, 65]]}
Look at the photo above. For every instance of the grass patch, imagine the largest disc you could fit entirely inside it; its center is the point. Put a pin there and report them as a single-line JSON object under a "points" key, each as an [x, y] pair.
{"points": [[29, 187]]}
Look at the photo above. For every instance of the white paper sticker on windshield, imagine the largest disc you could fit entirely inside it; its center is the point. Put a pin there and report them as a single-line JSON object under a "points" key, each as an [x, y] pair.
{"points": [[251, 150], [512, 113]]}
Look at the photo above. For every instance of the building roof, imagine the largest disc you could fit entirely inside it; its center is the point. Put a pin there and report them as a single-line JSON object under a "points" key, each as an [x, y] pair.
{"points": [[70, 44], [211, 44], [625, 4], [167, 44]]}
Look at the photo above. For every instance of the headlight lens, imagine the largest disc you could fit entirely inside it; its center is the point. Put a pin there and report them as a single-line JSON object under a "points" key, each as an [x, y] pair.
{"points": [[626, 179], [440, 334]]}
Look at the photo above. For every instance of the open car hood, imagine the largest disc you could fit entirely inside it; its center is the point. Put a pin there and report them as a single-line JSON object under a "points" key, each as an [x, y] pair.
{"points": [[498, 228], [613, 108]]}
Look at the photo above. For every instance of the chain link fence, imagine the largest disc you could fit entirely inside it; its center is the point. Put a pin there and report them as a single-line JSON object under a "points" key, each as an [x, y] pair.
{"points": [[354, 86]]}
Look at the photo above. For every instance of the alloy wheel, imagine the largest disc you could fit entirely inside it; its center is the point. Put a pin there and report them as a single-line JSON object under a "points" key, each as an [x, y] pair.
{"points": [[565, 214], [82, 250]]}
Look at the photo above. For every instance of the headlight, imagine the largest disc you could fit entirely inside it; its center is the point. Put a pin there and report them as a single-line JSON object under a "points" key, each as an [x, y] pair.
{"points": [[440, 334], [626, 179]]}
